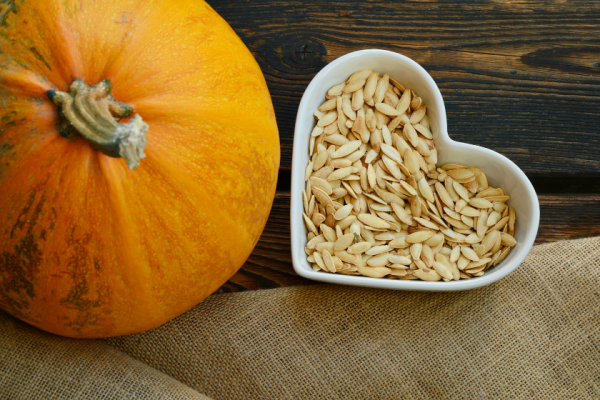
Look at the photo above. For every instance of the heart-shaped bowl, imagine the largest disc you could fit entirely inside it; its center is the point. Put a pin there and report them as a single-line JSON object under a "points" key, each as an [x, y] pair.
{"points": [[500, 171]]}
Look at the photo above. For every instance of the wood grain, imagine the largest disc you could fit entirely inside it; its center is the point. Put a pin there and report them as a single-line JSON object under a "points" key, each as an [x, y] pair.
{"points": [[563, 216], [568, 216], [519, 77]]}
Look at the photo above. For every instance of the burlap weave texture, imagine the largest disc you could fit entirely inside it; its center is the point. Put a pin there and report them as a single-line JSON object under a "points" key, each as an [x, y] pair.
{"points": [[533, 335], [35, 365]]}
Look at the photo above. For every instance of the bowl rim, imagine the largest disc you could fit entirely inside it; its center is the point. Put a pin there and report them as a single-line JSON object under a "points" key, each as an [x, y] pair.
{"points": [[299, 261]]}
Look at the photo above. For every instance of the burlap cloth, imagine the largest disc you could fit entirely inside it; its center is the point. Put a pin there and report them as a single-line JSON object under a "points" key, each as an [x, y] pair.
{"points": [[533, 335]]}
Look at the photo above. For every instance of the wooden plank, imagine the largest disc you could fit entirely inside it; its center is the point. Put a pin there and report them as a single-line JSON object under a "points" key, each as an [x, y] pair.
{"points": [[568, 216], [522, 78], [563, 216]]}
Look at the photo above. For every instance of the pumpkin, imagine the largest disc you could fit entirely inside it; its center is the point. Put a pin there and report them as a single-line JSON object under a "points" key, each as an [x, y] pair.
{"points": [[112, 224]]}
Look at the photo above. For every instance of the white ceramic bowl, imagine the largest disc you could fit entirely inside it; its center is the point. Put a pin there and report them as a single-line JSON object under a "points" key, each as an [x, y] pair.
{"points": [[501, 172]]}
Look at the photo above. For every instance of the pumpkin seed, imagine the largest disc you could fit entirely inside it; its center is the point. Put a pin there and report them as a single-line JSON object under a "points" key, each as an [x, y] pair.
{"points": [[418, 115], [478, 202], [442, 270], [502, 256], [359, 248], [460, 174], [415, 250], [397, 272], [493, 218], [373, 221], [328, 119], [314, 241], [508, 240], [340, 173], [424, 131], [343, 212], [404, 102], [321, 196], [457, 224], [410, 134], [371, 176], [321, 184], [386, 135], [336, 139], [385, 236], [361, 171], [317, 219], [444, 195], [319, 261], [392, 166], [427, 223], [498, 198], [343, 242], [379, 260], [489, 241], [489, 192], [511, 219], [461, 190], [353, 86], [370, 86], [419, 236], [342, 119], [399, 243], [336, 90], [309, 224], [346, 222], [328, 261], [452, 267], [374, 272], [316, 132], [373, 251], [479, 249], [328, 233], [469, 253], [462, 263], [347, 149], [391, 152], [473, 238], [400, 260], [481, 223], [455, 254], [347, 257], [381, 88], [500, 225], [328, 105], [427, 275], [325, 246], [347, 109], [359, 75], [371, 122], [386, 109], [435, 240], [415, 102]]}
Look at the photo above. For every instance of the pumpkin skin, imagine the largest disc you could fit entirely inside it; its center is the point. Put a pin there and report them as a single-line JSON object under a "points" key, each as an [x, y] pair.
{"points": [[88, 247]]}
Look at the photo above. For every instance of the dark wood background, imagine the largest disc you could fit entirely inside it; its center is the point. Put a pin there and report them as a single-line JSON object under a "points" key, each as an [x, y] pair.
{"points": [[519, 77]]}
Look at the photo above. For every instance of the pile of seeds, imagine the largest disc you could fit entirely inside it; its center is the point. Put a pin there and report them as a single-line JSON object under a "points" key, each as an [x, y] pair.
{"points": [[377, 205]]}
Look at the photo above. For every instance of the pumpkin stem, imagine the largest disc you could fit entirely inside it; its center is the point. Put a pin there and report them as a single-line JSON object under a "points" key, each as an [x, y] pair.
{"points": [[93, 113]]}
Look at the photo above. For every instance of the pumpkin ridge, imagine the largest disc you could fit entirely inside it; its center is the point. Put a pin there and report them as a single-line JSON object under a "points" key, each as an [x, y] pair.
{"points": [[8, 7], [20, 266]]}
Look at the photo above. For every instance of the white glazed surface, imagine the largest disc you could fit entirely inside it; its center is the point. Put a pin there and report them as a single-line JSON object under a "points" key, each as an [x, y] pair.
{"points": [[501, 172]]}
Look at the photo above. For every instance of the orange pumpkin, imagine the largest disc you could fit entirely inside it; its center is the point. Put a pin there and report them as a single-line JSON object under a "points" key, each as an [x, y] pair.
{"points": [[88, 246]]}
